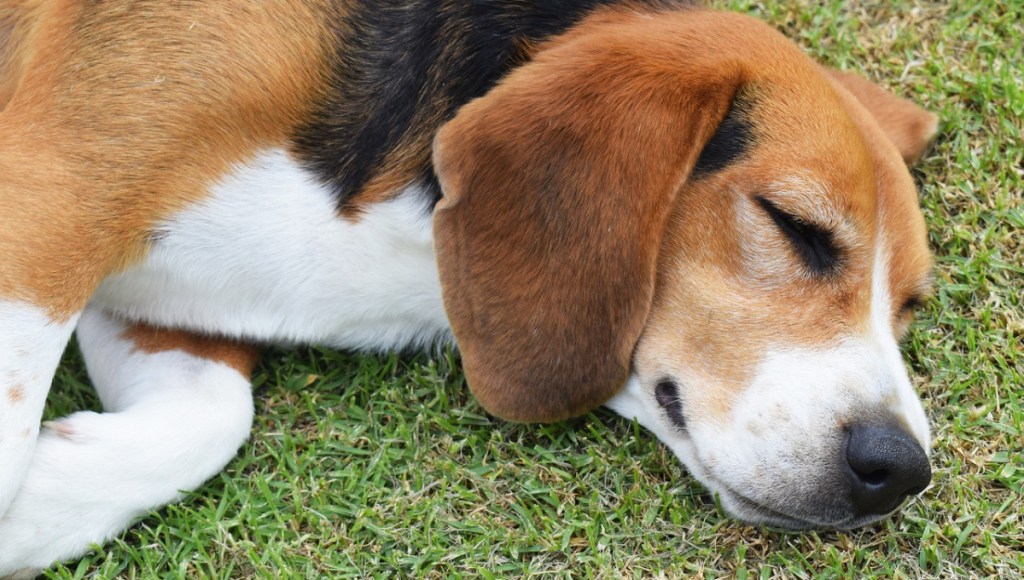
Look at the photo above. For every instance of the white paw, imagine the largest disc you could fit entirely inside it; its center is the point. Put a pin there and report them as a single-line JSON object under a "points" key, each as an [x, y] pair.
{"points": [[177, 420], [48, 520], [74, 427]]}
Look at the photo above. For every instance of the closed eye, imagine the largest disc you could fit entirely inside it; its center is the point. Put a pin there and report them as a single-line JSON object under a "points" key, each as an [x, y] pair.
{"points": [[910, 305], [906, 314], [815, 244]]}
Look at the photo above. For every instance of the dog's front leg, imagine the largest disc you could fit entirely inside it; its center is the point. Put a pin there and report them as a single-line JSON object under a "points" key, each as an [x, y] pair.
{"points": [[31, 342], [42, 294], [51, 258], [176, 408], [57, 241]]}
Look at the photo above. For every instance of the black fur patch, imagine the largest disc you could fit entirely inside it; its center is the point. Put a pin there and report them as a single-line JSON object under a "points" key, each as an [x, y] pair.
{"points": [[730, 142], [404, 67], [666, 392], [815, 244]]}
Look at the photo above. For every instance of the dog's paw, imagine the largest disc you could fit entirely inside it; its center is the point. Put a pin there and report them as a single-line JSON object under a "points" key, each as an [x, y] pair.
{"points": [[93, 474], [24, 574], [74, 427], [71, 497]]}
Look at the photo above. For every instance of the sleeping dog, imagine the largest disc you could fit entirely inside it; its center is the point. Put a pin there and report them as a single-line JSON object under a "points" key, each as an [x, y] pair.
{"points": [[635, 203]]}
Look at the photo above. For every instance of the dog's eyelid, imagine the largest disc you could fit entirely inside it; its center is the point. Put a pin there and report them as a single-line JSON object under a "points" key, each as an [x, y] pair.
{"points": [[775, 208], [912, 303], [815, 243], [918, 296]]}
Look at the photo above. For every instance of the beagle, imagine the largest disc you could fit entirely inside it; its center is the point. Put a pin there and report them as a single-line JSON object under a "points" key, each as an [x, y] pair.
{"points": [[635, 203]]}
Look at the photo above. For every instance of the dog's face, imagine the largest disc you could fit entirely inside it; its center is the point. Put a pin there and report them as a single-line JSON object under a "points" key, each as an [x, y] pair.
{"points": [[690, 206], [785, 280]]}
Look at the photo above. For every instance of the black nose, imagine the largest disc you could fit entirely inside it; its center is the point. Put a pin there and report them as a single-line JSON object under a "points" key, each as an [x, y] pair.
{"points": [[886, 466]]}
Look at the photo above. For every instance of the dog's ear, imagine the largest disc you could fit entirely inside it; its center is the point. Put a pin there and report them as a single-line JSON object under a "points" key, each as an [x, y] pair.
{"points": [[907, 125], [557, 187]]}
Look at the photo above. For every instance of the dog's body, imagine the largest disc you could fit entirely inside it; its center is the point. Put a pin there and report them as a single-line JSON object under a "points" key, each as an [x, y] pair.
{"points": [[625, 216]]}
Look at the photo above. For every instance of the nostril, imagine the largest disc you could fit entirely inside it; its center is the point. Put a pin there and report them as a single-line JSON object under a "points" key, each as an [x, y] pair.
{"points": [[886, 466], [877, 477]]}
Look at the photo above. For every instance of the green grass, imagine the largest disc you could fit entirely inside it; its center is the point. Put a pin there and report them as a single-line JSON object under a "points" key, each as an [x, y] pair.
{"points": [[384, 466]]}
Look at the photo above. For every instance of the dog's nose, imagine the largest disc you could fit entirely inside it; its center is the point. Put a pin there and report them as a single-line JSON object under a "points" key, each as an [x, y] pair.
{"points": [[886, 466]]}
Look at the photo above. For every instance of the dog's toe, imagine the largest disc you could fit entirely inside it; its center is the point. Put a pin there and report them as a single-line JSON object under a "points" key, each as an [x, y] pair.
{"points": [[74, 427]]}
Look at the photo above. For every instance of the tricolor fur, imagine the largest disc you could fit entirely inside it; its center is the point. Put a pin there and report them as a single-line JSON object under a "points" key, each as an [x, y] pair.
{"points": [[636, 203]]}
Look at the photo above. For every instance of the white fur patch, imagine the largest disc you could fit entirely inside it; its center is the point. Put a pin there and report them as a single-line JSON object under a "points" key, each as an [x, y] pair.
{"points": [[267, 257], [30, 348], [884, 344], [173, 420]]}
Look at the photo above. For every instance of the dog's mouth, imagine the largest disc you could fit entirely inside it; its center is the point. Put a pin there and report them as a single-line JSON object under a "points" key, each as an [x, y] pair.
{"points": [[737, 504], [746, 509], [741, 506]]}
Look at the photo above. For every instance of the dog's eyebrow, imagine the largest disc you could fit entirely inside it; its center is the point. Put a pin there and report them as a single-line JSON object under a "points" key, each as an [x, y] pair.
{"points": [[815, 243]]}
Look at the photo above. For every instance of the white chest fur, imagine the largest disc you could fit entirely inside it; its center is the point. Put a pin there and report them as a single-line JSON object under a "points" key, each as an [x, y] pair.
{"points": [[267, 257]]}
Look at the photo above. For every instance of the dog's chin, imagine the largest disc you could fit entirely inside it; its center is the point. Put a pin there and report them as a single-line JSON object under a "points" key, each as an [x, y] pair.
{"points": [[750, 511]]}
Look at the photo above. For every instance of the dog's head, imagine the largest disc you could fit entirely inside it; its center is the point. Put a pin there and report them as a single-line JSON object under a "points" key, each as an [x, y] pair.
{"points": [[687, 205]]}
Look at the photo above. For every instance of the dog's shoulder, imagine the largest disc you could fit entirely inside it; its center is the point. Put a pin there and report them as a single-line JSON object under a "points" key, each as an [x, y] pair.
{"points": [[399, 70]]}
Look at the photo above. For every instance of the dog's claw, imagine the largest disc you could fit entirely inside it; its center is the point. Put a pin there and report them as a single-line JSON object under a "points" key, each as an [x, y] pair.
{"points": [[61, 428]]}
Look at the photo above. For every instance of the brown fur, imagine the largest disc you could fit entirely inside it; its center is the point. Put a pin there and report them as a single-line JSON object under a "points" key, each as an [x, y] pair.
{"points": [[557, 188], [903, 227], [908, 126], [149, 339], [16, 31], [125, 114]]}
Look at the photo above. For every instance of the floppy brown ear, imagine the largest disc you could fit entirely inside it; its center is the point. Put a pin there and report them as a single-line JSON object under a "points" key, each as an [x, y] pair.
{"points": [[907, 125], [557, 187]]}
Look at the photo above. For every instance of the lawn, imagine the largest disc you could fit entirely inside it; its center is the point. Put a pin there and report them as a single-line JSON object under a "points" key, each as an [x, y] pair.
{"points": [[384, 466]]}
